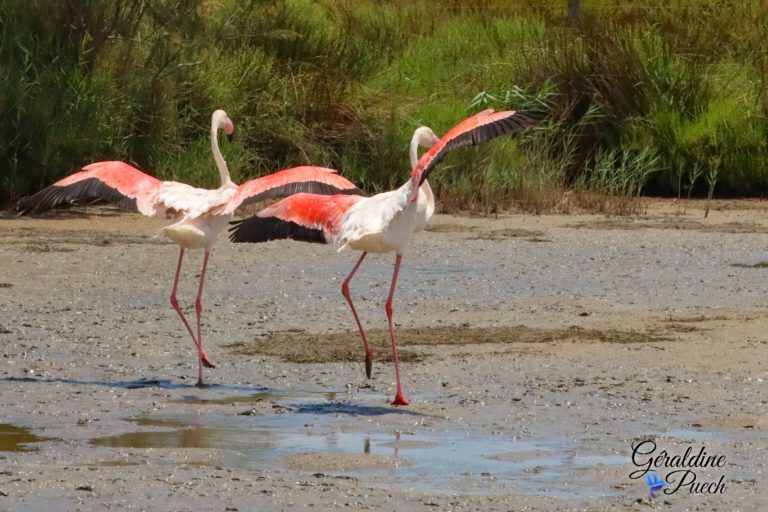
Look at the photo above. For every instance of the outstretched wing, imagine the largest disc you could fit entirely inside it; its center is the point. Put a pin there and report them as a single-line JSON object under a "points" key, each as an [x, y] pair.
{"points": [[110, 182], [304, 217], [472, 131], [309, 179]]}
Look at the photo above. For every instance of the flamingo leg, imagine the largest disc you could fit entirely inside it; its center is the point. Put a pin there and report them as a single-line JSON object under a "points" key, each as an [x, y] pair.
{"points": [[175, 304], [199, 309], [399, 396], [345, 292]]}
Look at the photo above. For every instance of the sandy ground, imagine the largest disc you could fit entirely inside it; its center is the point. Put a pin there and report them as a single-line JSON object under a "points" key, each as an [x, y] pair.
{"points": [[536, 352]]}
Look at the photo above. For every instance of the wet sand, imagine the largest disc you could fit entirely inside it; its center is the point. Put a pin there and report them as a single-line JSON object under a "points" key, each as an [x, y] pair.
{"points": [[536, 352]]}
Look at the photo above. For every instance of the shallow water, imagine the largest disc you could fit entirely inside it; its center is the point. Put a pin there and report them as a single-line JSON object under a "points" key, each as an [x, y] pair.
{"points": [[437, 460], [17, 439]]}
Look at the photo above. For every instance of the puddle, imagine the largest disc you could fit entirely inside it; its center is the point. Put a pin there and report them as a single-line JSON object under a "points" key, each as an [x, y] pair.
{"points": [[17, 439], [323, 434], [265, 396], [196, 437], [307, 439], [423, 460]]}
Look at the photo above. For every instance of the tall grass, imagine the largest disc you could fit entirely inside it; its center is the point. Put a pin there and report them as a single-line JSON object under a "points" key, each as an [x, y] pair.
{"points": [[637, 100]]}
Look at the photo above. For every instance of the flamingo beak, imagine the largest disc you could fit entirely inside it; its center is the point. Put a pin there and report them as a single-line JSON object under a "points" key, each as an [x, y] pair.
{"points": [[230, 137]]}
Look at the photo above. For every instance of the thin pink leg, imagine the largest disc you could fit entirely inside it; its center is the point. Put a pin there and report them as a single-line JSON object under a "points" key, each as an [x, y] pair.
{"points": [[175, 304], [345, 292], [199, 309], [399, 396]]}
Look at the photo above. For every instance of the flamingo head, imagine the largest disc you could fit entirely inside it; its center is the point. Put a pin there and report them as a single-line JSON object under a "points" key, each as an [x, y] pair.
{"points": [[220, 120], [425, 137]]}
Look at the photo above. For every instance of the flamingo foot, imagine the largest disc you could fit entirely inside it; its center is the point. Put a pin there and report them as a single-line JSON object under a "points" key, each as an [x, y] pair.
{"points": [[368, 366], [400, 399], [206, 362], [200, 383]]}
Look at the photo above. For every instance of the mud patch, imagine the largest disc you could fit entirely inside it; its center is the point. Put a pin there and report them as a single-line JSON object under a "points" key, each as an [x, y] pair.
{"points": [[298, 346], [47, 241], [696, 319], [506, 234], [449, 228], [325, 462], [678, 224], [39, 247], [762, 264], [82, 211], [746, 421], [17, 439], [683, 327], [523, 456], [473, 233]]}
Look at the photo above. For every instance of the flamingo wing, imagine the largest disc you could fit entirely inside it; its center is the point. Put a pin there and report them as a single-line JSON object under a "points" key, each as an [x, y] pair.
{"points": [[110, 182], [373, 215], [309, 179], [473, 131], [304, 217]]}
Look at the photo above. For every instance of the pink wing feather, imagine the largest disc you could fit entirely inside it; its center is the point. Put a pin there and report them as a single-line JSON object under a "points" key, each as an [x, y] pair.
{"points": [[304, 217], [110, 181], [309, 179], [472, 131]]}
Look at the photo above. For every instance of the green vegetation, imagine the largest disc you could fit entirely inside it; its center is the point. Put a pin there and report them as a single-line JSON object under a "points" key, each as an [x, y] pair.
{"points": [[643, 96]]}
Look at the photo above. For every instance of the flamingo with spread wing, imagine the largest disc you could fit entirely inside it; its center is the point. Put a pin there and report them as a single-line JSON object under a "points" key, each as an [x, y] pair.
{"points": [[381, 223], [201, 214]]}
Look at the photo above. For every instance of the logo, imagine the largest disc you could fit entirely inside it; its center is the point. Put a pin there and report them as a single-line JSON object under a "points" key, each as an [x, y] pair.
{"points": [[679, 470], [655, 483]]}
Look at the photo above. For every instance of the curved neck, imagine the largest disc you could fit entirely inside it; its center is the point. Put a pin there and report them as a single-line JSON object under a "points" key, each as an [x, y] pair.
{"points": [[220, 162], [414, 152]]}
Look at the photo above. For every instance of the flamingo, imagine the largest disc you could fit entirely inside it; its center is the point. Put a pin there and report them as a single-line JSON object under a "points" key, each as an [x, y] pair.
{"points": [[201, 214], [381, 223]]}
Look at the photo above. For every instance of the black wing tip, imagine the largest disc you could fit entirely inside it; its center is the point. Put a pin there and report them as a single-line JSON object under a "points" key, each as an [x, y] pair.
{"points": [[41, 202], [257, 229], [19, 207], [528, 118], [307, 187], [234, 223], [533, 114], [352, 192], [87, 192]]}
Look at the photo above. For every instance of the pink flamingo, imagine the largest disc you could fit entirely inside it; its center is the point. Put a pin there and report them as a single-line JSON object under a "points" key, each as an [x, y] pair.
{"points": [[201, 214], [381, 223]]}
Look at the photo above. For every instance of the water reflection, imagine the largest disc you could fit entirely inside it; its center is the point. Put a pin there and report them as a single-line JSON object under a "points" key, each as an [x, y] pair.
{"points": [[428, 460], [193, 437]]}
